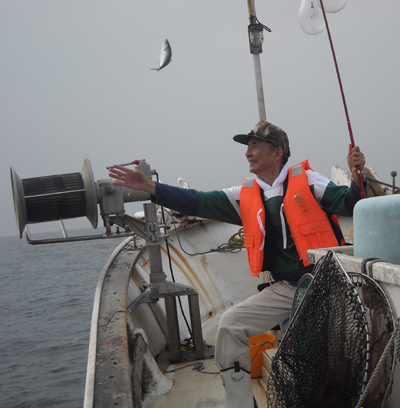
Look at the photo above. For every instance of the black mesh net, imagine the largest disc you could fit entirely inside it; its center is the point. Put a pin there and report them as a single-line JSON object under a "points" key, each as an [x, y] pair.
{"points": [[323, 360]]}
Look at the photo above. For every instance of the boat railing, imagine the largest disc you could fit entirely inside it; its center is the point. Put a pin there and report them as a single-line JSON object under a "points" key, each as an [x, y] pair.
{"points": [[380, 270], [120, 366]]}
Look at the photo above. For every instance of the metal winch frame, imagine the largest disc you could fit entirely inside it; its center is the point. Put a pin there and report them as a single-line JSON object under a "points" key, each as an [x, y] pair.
{"points": [[77, 194]]}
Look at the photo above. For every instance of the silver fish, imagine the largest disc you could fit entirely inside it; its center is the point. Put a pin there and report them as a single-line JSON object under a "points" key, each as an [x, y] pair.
{"points": [[165, 56]]}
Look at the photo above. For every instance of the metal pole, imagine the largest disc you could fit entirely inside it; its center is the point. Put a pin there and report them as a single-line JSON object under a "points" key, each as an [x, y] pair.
{"points": [[153, 245], [257, 69], [394, 174], [259, 87]]}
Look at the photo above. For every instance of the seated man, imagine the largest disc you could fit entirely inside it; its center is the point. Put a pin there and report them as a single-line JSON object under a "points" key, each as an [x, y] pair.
{"points": [[284, 212]]}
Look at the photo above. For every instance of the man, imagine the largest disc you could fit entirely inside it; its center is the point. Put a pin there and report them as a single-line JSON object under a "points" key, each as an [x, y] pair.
{"points": [[284, 212]]}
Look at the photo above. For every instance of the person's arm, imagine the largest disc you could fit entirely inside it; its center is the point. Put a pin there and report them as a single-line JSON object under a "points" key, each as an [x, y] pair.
{"points": [[179, 199], [339, 199], [212, 205], [342, 199]]}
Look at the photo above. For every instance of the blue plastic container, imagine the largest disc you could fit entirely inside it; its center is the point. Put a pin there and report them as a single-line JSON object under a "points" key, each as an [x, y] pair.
{"points": [[377, 228]]}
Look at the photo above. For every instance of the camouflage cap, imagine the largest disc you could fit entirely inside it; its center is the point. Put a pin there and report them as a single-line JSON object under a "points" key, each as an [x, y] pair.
{"points": [[268, 132]]}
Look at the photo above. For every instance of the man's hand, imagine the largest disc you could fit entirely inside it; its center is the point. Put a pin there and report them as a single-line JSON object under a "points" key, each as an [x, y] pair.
{"points": [[131, 179], [356, 161]]}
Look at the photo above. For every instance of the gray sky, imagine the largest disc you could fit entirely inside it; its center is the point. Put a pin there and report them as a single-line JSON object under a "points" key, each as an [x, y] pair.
{"points": [[75, 84]]}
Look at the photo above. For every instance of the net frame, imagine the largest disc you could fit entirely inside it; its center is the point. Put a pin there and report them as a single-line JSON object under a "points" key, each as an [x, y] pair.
{"points": [[302, 287], [381, 322]]}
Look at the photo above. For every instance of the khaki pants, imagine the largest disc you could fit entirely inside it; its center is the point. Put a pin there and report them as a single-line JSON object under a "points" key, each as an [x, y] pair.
{"points": [[254, 316]]}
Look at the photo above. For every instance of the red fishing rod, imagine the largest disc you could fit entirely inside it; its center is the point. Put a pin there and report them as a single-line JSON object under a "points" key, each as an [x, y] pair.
{"points": [[360, 183]]}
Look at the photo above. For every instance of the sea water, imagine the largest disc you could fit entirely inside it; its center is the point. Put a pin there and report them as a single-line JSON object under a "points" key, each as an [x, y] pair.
{"points": [[46, 296]]}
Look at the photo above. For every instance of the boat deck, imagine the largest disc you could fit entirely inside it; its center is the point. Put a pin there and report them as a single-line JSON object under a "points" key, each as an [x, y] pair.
{"points": [[198, 384]]}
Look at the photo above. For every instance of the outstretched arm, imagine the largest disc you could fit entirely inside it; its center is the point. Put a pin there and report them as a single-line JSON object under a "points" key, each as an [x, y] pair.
{"points": [[132, 179]]}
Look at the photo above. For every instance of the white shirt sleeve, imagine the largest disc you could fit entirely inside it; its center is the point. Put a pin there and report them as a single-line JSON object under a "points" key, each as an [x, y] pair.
{"points": [[319, 181], [233, 194]]}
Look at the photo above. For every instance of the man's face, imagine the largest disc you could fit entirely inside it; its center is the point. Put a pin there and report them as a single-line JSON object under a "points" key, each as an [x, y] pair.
{"points": [[261, 156]]}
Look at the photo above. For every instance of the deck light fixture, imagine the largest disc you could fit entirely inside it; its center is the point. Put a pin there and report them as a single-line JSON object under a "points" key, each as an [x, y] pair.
{"points": [[256, 37]]}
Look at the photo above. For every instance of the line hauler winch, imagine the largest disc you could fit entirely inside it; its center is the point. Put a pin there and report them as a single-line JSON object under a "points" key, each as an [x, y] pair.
{"points": [[66, 196]]}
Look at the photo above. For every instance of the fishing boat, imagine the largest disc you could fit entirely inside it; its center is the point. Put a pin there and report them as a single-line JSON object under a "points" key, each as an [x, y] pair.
{"points": [[161, 294]]}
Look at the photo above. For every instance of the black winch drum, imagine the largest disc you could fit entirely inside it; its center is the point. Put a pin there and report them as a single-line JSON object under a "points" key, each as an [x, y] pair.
{"points": [[54, 198]]}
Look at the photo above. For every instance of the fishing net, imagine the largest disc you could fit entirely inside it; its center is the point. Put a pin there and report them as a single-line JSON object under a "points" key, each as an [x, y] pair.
{"points": [[323, 360]]}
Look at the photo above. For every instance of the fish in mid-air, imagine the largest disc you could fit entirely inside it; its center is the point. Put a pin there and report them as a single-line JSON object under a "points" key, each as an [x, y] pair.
{"points": [[165, 56]]}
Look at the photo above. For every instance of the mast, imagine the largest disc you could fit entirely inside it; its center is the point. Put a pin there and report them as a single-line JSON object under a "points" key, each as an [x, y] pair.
{"points": [[255, 30]]}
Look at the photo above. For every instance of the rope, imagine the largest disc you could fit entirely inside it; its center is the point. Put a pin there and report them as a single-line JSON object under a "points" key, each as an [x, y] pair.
{"points": [[199, 367], [237, 240], [234, 244]]}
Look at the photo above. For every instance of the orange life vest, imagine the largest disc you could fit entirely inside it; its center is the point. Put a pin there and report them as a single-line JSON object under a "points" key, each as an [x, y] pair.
{"points": [[308, 222], [253, 219]]}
